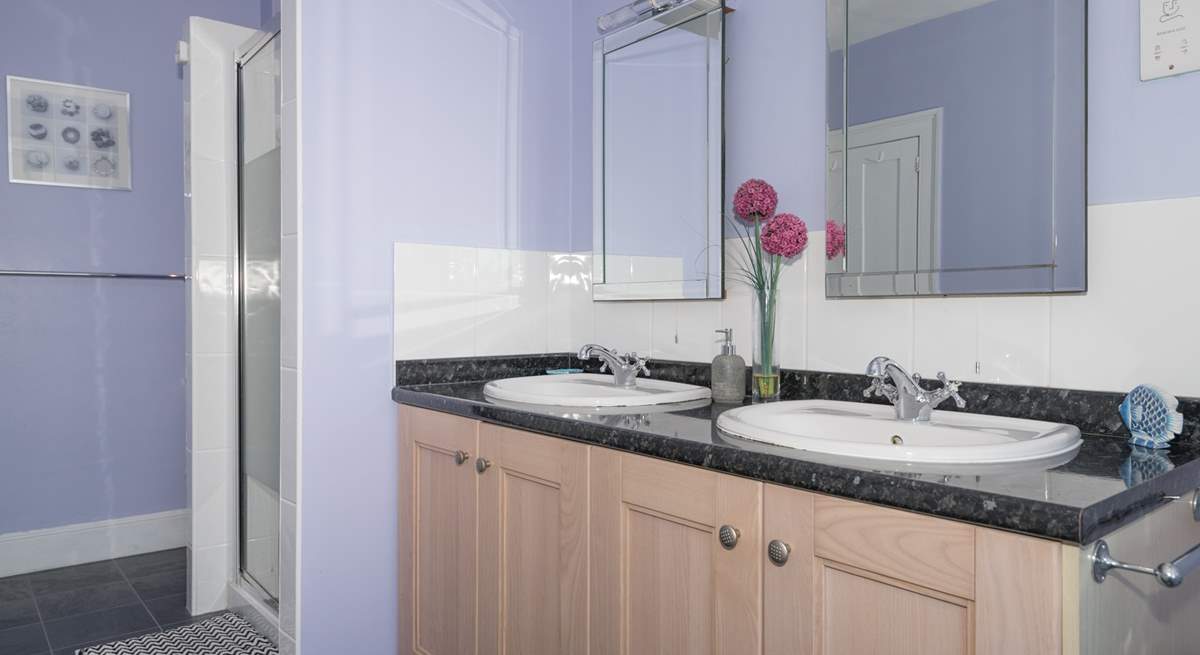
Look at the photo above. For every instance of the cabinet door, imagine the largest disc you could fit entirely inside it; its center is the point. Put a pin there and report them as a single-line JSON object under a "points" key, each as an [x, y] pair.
{"points": [[532, 543], [862, 613], [437, 519], [661, 580], [1019, 583], [788, 584]]}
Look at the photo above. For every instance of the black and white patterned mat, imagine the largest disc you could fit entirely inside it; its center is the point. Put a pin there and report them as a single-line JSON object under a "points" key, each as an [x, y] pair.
{"points": [[227, 634]]}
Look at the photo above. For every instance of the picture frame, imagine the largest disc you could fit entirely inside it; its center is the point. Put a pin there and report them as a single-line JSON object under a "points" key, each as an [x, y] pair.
{"points": [[68, 135]]}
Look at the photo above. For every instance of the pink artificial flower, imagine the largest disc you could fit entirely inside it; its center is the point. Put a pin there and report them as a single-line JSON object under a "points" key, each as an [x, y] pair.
{"points": [[786, 235], [755, 200], [835, 239]]}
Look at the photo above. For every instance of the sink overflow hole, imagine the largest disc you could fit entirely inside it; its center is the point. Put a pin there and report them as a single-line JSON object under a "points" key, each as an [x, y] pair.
{"points": [[896, 440]]}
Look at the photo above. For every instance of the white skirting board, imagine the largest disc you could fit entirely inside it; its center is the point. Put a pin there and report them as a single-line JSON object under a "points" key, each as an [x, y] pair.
{"points": [[49, 548]]}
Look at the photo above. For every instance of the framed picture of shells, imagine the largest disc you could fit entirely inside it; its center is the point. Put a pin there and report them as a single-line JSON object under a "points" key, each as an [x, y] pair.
{"points": [[67, 135]]}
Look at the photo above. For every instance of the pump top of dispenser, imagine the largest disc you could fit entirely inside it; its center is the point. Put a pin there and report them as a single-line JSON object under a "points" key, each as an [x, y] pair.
{"points": [[727, 348]]}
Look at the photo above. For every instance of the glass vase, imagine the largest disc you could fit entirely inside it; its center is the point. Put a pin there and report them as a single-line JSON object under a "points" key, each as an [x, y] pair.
{"points": [[765, 379]]}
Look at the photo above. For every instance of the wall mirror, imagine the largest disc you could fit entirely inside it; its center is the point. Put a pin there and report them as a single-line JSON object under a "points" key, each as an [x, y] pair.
{"points": [[658, 156], [962, 170]]}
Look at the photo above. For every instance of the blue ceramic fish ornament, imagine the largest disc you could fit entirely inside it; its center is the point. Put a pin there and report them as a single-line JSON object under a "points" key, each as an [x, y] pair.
{"points": [[1150, 415]]}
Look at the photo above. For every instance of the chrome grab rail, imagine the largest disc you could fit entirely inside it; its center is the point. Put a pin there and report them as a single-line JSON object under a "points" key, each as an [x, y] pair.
{"points": [[84, 274], [1170, 574]]}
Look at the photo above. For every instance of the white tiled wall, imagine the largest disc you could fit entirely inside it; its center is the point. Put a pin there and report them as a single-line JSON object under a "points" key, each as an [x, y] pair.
{"points": [[454, 301], [291, 356], [211, 218], [210, 212], [1135, 324]]}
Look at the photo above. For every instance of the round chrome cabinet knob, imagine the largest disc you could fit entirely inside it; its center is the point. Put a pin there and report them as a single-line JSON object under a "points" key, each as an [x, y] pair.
{"points": [[461, 456], [482, 464], [729, 536], [778, 551]]}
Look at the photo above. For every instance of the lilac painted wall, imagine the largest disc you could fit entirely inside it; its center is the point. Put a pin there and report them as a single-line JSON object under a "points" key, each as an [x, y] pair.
{"points": [[269, 14], [406, 118], [774, 105], [1142, 136], [92, 372]]}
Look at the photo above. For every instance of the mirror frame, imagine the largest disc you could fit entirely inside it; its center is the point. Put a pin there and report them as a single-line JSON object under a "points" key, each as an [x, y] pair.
{"points": [[712, 285], [840, 284]]}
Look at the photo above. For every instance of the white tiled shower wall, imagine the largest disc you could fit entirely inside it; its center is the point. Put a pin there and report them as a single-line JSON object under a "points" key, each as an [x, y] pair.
{"points": [[211, 215], [1135, 324]]}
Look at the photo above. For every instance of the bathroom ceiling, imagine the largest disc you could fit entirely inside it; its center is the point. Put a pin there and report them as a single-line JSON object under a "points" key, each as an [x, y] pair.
{"points": [[872, 18]]}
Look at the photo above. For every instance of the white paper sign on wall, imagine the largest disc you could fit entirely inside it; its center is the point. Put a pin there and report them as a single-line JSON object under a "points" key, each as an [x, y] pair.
{"points": [[1170, 37]]}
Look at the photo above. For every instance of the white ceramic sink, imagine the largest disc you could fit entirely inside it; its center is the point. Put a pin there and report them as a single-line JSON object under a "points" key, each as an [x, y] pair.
{"points": [[872, 432], [591, 390]]}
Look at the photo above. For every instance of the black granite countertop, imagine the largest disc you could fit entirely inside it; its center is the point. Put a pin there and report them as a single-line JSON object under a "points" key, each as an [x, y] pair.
{"points": [[1107, 485]]}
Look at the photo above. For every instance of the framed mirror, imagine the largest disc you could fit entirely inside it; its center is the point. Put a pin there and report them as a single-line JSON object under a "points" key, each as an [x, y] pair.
{"points": [[658, 156], [963, 169]]}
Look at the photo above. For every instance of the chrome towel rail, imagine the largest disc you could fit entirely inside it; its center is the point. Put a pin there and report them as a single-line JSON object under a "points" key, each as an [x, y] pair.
{"points": [[84, 274], [1170, 574]]}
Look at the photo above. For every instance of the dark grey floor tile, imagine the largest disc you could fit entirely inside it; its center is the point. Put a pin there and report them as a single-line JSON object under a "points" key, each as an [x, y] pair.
{"points": [[70, 650], [17, 612], [14, 588], [25, 640], [139, 566], [158, 585], [101, 625], [87, 599], [169, 609], [16, 603], [74, 577]]}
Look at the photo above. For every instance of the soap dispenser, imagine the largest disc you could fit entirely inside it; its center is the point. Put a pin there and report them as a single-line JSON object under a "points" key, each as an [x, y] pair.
{"points": [[728, 372]]}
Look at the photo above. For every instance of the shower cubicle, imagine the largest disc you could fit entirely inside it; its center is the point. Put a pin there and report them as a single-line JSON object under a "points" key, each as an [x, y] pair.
{"points": [[233, 105]]}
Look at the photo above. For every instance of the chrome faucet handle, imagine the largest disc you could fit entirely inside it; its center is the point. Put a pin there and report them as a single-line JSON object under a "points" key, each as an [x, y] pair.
{"points": [[638, 363], [951, 387], [603, 366], [949, 390], [880, 388]]}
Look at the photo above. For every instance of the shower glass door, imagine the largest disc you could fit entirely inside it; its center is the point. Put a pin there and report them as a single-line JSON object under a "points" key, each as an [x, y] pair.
{"points": [[259, 326]]}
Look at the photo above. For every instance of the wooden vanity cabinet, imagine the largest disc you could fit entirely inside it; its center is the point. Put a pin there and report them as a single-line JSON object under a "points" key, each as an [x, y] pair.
{"points": [[665, 580], [522, 543], [533, 527], [887, 581], [439, 506], [494, 539]]}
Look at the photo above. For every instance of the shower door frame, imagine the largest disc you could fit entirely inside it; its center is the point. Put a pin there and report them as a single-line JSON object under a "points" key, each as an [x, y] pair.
{"points": [[242, 56]]}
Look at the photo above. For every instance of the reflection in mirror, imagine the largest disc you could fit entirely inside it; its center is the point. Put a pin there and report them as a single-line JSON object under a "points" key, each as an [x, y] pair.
{"points": [[962, 171], [658, 167]]}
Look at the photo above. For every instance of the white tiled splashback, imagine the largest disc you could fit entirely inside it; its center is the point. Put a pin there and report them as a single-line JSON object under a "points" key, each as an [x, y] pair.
{"points": [[459, 302], [1134, 325]]}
